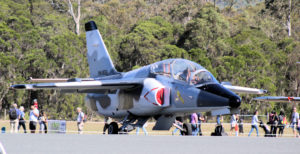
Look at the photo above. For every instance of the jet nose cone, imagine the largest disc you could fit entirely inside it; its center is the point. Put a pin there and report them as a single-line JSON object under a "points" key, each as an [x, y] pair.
{"points": [[206, 99], [234, 101]]}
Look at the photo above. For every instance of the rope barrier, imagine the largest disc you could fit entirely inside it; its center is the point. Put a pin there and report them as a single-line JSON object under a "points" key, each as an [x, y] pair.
{"points": [[207, 128]]}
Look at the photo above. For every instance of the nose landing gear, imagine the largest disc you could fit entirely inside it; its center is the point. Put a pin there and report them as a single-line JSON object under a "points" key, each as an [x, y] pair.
{"points": [[187, 129]]}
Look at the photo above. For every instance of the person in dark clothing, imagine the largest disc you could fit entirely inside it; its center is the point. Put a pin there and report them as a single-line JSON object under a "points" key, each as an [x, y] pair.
{"points": [[219, 127], [241, 126], [274, 132], [273, 121], [22, 119], [281, 123], [265, 128], [43, 122], [107, 121], [200, 119]]}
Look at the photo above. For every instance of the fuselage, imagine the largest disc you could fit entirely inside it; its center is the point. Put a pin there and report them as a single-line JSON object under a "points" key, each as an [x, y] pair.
{"points": [[172, 86]]}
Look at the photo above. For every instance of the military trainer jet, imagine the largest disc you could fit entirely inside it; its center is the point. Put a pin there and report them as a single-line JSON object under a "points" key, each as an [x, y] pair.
{"points": [[162, 90]]}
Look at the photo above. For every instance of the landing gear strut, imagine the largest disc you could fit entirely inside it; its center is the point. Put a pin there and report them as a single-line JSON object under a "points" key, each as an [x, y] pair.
{"points": [[128, 124]]}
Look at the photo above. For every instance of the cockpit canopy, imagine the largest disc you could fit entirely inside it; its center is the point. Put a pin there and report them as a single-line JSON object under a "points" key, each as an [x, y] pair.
{"points": [[185, 70]]}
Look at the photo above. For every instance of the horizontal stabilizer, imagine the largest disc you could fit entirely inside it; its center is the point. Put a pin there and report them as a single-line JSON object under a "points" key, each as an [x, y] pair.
{"points": [[277, 99], [246, 90]]}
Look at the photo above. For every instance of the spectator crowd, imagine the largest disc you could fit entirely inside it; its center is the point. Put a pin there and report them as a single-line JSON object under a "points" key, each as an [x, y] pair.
{"points": [[273, 128], [17, 119]]}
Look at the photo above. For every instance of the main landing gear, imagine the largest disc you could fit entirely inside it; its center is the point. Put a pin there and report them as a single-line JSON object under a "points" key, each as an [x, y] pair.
{"points": [[113, 128], [187, 129], [127, 124]]}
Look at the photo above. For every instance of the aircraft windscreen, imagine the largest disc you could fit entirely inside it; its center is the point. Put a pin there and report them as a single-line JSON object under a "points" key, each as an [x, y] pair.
{"points": [[162, 68], [201, 77], [182, 69]]}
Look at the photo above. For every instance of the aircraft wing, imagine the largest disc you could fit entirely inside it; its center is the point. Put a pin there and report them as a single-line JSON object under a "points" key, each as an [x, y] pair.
{"points": [[246, 90], [83, 85], [277, 99], [49, 80]]}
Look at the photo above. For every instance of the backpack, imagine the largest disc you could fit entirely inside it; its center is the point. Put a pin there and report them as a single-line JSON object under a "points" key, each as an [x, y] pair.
{"points": [[284, 121], [13, 114], [280, 119]]}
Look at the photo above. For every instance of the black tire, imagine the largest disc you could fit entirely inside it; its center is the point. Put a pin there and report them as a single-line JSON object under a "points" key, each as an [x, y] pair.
{"points": [[113, 128], [187, 129]]}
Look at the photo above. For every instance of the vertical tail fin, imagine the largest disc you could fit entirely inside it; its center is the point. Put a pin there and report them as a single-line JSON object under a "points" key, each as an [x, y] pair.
{"points": [[99, 60]]}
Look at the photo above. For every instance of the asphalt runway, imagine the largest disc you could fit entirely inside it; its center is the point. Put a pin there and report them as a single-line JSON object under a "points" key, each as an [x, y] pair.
{"points": [[131, 144]]}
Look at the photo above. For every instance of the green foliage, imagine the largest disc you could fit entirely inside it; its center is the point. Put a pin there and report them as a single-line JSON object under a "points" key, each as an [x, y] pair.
{"points": [[172, 51], [147, 42], [246, 47]]}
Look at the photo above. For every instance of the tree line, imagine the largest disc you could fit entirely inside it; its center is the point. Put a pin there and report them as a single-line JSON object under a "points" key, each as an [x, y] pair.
{"points": [[250, 43]]}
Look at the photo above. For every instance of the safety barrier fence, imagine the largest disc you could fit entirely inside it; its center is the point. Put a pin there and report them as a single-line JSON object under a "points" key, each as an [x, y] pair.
{"points": [[92, 127]]}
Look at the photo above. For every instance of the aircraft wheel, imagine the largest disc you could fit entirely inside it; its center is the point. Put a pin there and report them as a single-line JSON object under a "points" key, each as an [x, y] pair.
{"points": [[113, 128], [187, 129]]}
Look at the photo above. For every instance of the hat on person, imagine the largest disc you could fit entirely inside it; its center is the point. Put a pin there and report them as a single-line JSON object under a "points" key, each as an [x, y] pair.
{"points": [[35, 103]]}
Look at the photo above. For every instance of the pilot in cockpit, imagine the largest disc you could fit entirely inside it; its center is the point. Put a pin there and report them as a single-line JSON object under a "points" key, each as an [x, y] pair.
{"points": [[185, 76], [201, 77]]}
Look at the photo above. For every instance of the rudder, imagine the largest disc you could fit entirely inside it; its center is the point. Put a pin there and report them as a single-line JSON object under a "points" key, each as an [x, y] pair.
{"points": [[100, 63]]}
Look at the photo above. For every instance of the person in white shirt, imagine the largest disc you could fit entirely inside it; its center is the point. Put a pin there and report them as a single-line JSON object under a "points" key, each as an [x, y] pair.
{"points": [[295, 121], [80, 119], [233, 122], [33, 118], [254, 124]]}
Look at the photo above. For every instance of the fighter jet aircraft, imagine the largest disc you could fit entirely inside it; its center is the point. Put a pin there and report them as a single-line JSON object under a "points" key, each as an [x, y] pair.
{"points": [[162, 90]]}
